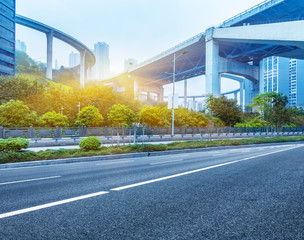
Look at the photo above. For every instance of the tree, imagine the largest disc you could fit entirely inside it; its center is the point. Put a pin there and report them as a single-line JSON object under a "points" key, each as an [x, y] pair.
{"points": [[154, 116], [185, 118], [90, 117], [26, 65], [53, 119], [120, 115], [21, 87], [225, 109], [16, 114], [272, 107]]}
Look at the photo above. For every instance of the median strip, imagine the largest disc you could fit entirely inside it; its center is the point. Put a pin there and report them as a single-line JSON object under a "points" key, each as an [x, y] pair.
{"points": [[29, 180]]}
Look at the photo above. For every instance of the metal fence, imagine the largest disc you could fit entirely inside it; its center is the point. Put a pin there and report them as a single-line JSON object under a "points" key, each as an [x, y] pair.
{"points": [[57, 132]]}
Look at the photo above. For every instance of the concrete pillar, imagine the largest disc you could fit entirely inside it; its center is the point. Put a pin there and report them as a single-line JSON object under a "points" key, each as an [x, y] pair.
{"points": [[82, 68], [242, 94], [148, 97], [235, 95], [213, 81], [185, 93], [49, 54], [161, 94]]}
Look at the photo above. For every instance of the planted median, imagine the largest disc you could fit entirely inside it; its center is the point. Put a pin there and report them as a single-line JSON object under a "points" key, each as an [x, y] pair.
{"points": [[9, 156]]}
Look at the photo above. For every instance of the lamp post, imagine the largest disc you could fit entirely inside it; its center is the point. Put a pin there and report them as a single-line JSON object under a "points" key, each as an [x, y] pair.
{"points": [[62, 110], [78, 107], [173, 91]]}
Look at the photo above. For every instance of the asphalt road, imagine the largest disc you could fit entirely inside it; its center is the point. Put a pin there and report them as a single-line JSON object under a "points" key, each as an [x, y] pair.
{"points": [[245, 193]]}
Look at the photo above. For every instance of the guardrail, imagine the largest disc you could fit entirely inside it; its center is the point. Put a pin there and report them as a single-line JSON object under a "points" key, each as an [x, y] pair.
{"points": [[76, 132]]}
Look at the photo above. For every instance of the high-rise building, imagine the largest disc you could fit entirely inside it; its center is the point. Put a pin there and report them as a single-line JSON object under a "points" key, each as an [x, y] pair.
{"points": [[130, 63], [296, 83], [7, 37], [102, 65], [20, 46], [284, 75], [74, 59], [275, 75]]}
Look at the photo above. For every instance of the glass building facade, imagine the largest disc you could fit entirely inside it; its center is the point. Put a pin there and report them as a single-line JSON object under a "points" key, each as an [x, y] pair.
{"points": [[7, 37], [284, 75]]}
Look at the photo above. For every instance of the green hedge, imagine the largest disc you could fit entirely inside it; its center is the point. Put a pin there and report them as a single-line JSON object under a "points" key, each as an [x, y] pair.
{"points": [[13, 144], [90, 143]]}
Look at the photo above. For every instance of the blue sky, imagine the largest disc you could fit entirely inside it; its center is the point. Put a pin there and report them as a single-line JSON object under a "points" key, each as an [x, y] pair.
{"points": [[136, 29]]}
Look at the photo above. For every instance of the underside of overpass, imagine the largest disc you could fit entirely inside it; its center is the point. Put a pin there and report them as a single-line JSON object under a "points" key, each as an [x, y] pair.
{"points": [[237, 46]]}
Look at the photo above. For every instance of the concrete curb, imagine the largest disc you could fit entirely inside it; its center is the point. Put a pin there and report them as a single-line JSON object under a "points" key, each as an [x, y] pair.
{"points": [[130, 155]]}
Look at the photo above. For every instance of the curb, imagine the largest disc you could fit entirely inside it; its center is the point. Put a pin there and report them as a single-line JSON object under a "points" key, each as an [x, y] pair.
{"points": [[129, 155]]}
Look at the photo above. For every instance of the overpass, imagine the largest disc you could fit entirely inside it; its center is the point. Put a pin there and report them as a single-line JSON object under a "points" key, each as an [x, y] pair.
{"points": [[235, 47], [87, 58]]}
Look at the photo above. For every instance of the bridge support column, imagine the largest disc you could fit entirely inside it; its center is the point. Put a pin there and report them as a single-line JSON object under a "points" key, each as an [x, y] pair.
{"points": [[242, 94], [161, 95], [49, 64], [213, 82], [149, 97], [82, 68], [185, 93], [235, 96]]}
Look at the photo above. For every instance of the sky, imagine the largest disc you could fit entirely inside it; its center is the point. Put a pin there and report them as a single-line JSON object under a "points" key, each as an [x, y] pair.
{"points": [[137, 29]]}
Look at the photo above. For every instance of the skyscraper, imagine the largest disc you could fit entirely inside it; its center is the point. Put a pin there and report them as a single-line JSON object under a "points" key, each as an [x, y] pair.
{"points": [[283, 75], [74, 59], [296, 83], [7, 37], [102, 66], [20, 46]]}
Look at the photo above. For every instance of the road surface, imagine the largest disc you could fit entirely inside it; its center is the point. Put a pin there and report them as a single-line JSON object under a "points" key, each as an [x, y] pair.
{"points": [[243, 193]]}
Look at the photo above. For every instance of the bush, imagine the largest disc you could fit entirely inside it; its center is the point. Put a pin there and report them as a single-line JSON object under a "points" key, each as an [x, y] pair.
{"points": [[89, 117], [13, 144], [90, 143], [16, 114], [53, 119]]}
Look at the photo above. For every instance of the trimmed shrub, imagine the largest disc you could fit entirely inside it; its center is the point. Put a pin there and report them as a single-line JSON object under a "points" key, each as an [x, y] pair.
{"points": [[53, 119], [90, 143], [13, 144]]}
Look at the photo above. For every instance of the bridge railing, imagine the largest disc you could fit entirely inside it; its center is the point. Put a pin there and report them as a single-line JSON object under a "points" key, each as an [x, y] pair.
{"points": [[72, 132]]}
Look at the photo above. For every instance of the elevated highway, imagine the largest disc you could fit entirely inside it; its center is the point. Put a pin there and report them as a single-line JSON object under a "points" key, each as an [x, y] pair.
{"points": [[87, 58], [235, 47]]}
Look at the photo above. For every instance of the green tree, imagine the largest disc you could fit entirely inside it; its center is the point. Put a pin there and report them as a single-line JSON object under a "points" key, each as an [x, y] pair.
{"points": [[272, 107], [120, 115], [16, 114], [225, 109], [53, 119], [26, 65], [21, 87], [90, 117], [154, 116]]}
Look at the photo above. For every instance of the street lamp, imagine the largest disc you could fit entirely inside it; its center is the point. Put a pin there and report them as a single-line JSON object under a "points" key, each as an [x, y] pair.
{"points": [[62, 110], [78, 107], [173, 91]]}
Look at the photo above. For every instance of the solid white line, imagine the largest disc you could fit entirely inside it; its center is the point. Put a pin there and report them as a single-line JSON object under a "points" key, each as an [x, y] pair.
{"points": [[108, 163], [39, 207], [170, 161], [195, 171], [178, 155], [29, 180]]}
